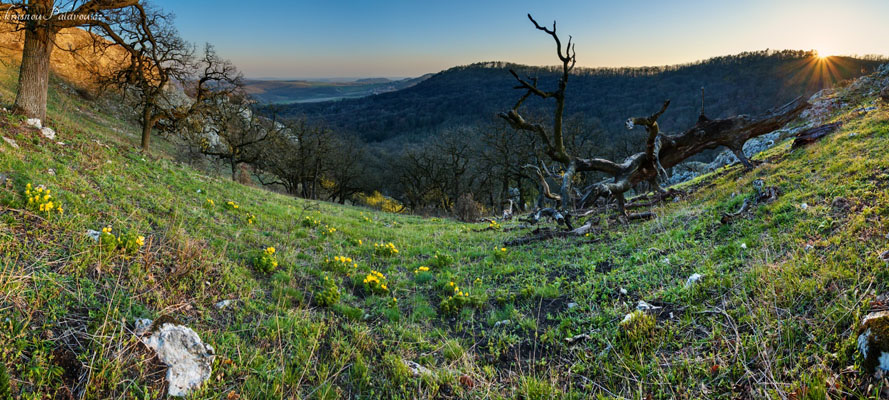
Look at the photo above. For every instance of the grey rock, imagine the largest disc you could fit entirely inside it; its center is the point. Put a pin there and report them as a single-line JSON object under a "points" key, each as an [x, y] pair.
{"points": [[693, 279], [642, 305], [223, 304], [572, 305], [11, 142], [48, 133], [94, 235], [416, 369], [34, 123], [502, 323], [189, 361]]}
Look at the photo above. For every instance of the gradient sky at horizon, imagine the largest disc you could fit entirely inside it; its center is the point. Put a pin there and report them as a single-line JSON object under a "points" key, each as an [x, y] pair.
{"points": [[340, 38]]}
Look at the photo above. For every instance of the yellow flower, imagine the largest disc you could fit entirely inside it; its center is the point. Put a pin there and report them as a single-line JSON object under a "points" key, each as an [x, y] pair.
{"points": [[140, 241], [503, 249], [270, 250]]}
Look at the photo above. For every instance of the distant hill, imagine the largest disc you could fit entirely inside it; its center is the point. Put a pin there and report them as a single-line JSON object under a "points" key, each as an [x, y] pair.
{"points": [[304, 91], [750, 82]]}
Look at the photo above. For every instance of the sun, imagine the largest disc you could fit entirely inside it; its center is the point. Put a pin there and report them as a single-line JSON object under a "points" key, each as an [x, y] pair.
{"points": [[823, 54]]}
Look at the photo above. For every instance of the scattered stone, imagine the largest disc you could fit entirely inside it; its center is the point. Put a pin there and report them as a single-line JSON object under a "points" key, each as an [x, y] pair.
{"points": [[623, 291], [665, 260], [873, 341], [572, 305], [884, 94], [34, 123], [502, 323], [51, 172], [189, 361], [809, 247], [643, 306], [804, 206], [578, 338], [142, 325], [48, 133], [853, 134], [11, 142], [693, 280], [885, 256], [865, 110], [224, 303], [416, 369], [743, 245], [95, 236]]}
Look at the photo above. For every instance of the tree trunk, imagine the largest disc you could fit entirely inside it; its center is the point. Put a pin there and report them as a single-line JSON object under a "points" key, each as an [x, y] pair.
{"points": [[33, 84], [147, 124]]}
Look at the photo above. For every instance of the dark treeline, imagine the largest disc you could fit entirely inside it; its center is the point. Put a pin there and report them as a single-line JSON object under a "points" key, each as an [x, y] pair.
{"points": [[467, 96]]}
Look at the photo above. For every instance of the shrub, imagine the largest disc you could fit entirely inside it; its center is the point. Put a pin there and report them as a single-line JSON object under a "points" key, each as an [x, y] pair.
{"points": [[440, 261], [638, 326], [310, 222], [466, 209], [375, 282], [41, 201], [127, 242], [385, 249], [328, 294], [266, 261]]}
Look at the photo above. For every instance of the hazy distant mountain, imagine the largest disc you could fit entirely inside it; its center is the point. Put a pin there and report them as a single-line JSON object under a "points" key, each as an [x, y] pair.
{"points": [[302, 91], [745, 83]]}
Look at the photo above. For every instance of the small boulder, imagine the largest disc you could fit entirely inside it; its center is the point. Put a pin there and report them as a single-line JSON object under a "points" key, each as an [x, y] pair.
{"points": [[224, 303], [34, 123], [189, 361], [873, 341], [416, 369], [11, 142], [95, 236], [644, 306], [693, 280], [884, 94], [48, 133], [885, 256]]}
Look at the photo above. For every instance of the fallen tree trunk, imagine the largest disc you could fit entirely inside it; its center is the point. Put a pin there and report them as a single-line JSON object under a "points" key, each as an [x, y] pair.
{"points": [[707, 134], [811, 135]]}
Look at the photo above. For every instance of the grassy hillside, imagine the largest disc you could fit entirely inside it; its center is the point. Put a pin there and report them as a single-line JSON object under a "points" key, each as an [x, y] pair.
{"points": [[775, 314]]}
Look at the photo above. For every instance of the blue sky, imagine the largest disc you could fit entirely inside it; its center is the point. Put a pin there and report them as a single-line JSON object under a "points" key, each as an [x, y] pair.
{"points": [[338, 38]]}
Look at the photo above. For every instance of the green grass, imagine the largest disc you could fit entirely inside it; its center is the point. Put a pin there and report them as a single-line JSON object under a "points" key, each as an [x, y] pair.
{"points": [[770, 318]]}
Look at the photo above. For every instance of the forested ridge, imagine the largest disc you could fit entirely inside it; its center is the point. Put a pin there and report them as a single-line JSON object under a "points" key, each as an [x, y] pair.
{"points": [[603, 98]]}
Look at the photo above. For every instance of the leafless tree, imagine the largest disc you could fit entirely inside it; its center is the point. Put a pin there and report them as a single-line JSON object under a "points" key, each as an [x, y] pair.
{"points": [[661, 150], [157, 59]]}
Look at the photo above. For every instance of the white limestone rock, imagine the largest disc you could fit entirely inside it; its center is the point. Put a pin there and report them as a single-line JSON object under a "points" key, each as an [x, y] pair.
{"points": [[189, 361]]}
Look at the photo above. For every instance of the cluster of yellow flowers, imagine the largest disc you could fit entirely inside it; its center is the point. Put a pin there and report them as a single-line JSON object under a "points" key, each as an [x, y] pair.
{"points": [[251, 219], [341, 261], [375, 282], [385, 249], [421, 269], [328, 230], [210, 203], [232, 205], [309, 222], [127, 242], [457, 291], [41, 200], [266, 261], [494, 225]]}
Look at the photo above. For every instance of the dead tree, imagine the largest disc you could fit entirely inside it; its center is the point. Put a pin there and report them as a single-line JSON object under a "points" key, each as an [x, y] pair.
{"points": [[661, 151]]}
